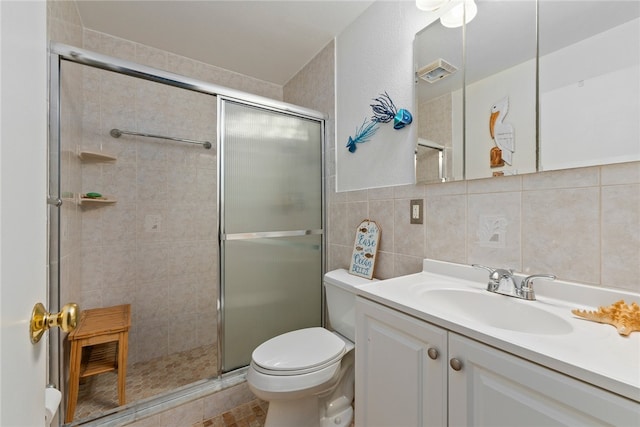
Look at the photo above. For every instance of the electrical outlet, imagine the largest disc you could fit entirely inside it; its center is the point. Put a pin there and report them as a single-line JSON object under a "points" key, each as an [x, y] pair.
{"points": [[416, 211]]}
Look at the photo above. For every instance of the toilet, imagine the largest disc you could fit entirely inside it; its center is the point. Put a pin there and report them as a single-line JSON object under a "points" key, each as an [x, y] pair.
{"points": [[307, 375]]}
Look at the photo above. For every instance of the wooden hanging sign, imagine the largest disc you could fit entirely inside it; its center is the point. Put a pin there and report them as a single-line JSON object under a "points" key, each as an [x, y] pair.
{"points": [[365, 249]]}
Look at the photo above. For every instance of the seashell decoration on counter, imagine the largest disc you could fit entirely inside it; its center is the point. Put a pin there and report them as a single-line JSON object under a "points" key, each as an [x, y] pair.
{"points": [[625, 317]]}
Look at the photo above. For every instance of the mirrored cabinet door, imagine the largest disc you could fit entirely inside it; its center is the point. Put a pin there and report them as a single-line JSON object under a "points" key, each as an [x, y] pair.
{"points": [[537, 86], [589, 83], [500, 99], [439, 87]]}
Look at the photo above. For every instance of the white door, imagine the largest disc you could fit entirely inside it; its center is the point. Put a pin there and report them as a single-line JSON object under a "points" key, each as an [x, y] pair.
{"points": [[23, 209]]}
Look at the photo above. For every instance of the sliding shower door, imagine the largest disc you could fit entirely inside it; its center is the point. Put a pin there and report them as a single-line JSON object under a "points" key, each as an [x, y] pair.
{"points": [[271, 219]]}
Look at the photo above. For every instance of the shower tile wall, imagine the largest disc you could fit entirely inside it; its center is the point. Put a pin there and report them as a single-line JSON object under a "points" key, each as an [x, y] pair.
{"points": [[157, 247], [108, 242], [141, 54], [433, 125]]}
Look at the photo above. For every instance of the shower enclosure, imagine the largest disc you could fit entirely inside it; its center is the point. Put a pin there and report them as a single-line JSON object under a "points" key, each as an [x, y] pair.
{"points": [[209, 221]]}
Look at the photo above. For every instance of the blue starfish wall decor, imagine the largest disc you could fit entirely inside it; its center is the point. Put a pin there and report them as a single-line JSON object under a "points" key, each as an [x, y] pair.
{"points": [[363, 133], [384, 110]]}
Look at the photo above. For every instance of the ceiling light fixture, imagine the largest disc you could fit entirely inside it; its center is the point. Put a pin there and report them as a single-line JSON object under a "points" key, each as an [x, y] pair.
{"points": [[430, 5], [465, 11]]}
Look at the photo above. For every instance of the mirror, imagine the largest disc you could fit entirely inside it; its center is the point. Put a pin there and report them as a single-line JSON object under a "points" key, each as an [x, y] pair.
{"points": [[500, 89], [438, 55], [589, 83], [587, 87]]}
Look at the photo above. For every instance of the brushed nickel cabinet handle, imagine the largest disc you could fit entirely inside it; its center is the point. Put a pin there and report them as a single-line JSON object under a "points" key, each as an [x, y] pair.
{"points": [[433, 353], [456, 364]]}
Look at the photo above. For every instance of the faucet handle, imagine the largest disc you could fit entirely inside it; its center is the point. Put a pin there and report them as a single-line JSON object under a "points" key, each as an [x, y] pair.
{"points": [[484, 267], [495, 276], [492, 271], [527, 285]]}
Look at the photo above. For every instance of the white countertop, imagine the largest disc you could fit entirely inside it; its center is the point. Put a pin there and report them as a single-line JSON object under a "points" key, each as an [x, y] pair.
{"points": [[592, 352]]}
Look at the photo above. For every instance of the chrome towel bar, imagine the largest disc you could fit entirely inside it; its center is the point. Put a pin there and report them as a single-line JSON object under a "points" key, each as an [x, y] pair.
{"points": [[116, 133]]}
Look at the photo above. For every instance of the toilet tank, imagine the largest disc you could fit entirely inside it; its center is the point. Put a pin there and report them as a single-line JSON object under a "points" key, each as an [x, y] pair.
{"points": [[341, 301]]}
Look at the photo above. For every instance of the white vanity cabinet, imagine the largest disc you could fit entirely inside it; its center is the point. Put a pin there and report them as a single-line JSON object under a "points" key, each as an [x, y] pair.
{"points": [[495, 388], [401, 369], [468, 384]]}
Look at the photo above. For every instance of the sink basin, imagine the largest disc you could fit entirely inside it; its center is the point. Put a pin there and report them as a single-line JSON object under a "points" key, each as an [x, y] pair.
{"points": [[495, 310]]}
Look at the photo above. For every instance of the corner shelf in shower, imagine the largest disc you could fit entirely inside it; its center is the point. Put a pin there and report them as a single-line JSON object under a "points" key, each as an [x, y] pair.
{"points": [[95, 156], [106, 200]]}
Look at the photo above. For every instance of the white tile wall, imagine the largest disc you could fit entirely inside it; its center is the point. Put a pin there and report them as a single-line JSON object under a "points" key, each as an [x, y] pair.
{"points": [[582, 225]]}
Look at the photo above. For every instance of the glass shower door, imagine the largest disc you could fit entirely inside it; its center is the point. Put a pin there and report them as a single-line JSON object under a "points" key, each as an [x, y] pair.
{"points": [[271, 220]]}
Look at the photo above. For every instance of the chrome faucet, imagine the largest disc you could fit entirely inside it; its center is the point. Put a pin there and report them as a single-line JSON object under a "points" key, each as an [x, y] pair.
{"points": [[524, 290], [497, 276]]}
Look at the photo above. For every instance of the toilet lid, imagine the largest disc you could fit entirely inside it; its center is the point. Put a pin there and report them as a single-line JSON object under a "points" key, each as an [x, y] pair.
{"points": [[299, 351]]}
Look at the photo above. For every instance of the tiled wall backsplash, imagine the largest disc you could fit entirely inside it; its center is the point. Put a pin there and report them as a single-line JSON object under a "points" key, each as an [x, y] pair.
{"points": [[582, 224]]}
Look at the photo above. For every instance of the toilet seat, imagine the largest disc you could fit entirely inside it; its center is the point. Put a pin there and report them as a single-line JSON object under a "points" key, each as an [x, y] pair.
{"points": [[307, 350]]}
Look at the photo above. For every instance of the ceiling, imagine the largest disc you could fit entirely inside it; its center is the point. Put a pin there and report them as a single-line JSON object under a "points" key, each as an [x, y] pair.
{"points": [[264, 39]]}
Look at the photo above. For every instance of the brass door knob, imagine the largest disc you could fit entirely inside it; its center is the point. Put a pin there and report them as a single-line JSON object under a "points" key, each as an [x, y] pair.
{"points": [[41, 320]]}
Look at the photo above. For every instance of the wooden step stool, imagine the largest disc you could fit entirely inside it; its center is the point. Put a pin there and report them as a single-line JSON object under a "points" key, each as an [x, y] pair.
{"points": [[98, 326]]}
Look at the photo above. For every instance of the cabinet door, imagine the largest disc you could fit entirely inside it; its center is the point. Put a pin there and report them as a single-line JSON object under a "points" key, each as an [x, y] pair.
{"points": [[398, 383], [494, 388]]}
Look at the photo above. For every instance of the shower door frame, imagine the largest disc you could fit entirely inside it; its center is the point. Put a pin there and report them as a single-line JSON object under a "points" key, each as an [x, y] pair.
{"points": [[59, 52]]}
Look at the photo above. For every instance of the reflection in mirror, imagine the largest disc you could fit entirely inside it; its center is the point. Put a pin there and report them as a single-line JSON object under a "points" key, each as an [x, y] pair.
{"points": [[589, 83], [438, 59], [500, 91], [430, 156], [588, 89]]}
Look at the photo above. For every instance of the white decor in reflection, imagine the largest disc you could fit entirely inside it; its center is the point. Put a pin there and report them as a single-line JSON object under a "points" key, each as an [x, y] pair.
{"points": [[430, 5], [501, 132], [463, 12]]}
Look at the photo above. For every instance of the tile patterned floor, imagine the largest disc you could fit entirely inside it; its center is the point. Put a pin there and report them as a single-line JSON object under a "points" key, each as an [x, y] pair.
{"points": [[145, 379], [250, 414]]}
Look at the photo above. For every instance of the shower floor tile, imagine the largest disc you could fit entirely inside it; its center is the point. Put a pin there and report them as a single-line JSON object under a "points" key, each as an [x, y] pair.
{"points": [[99, 393]]}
